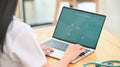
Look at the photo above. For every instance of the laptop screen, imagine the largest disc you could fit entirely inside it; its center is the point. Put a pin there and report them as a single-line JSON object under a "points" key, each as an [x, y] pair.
{"points": [[77, 26]]}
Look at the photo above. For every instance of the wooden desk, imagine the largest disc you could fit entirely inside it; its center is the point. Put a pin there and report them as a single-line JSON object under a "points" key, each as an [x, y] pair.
{"points": [[108, 47]]}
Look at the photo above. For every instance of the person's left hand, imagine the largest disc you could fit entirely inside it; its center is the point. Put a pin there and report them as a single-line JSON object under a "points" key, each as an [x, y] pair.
{"points": [[47, 50]]}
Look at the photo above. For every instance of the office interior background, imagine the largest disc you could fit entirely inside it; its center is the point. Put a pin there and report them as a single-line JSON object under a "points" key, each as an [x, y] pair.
{"points": [[42, 13]]}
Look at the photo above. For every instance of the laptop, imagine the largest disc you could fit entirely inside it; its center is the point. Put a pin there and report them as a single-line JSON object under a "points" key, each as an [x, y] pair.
{"points": [[76, 27]]}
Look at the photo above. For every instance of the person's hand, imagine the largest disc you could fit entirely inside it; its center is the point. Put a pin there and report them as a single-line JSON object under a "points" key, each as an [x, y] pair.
{"points": [[73, 51], [47, 50]]}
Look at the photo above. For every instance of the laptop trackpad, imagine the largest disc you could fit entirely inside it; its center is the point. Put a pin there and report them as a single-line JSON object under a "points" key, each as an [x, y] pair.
{"points": [[57, 53]]}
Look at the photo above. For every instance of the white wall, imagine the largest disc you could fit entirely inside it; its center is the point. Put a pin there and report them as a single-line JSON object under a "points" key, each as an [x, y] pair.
{"points": [[111, 8]]}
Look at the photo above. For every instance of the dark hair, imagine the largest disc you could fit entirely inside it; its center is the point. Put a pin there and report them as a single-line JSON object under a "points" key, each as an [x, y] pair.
{"points": [[7, 11]]}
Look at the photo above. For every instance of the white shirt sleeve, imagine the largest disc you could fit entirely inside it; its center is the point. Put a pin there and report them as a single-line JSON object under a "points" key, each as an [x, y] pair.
{"points": [[27, 49]]}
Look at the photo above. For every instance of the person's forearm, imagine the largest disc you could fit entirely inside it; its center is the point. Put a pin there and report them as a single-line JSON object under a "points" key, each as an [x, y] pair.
{"points": [[61, 63]]}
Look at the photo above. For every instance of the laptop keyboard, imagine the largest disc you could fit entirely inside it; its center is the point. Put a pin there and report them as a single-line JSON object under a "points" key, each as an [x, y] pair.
{"points": [[86, 51], [61, 46], [57, 44]]}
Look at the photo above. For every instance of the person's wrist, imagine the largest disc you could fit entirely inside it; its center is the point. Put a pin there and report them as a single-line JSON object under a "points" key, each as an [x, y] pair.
{"points": [[65, 61]]}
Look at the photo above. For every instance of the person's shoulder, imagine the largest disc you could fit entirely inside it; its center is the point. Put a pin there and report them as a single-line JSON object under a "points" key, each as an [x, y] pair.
{"points": [[19, 25]]}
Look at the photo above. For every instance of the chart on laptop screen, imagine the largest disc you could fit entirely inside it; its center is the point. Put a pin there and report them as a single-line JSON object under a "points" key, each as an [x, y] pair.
{"points": [[79, 27]]}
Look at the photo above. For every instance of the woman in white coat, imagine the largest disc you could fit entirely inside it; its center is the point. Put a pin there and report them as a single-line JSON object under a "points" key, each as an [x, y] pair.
{"points": [[19, 46]]}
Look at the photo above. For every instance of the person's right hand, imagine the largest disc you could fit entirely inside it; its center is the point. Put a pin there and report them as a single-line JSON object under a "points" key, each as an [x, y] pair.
{"points": [[72, 52]]}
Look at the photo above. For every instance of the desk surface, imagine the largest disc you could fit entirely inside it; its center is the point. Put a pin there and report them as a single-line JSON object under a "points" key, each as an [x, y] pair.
{"points": [[108, 47]]}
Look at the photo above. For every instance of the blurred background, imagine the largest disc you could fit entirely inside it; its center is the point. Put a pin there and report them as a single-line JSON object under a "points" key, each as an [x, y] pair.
{"points": [[46, 12]]}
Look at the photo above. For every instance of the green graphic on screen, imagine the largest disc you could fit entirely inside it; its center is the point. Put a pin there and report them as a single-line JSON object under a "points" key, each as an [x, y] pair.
{"points": [[79, 27]]}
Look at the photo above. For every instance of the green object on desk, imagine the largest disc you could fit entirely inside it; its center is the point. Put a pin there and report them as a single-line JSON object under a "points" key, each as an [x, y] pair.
{"points": [[108, 63]]}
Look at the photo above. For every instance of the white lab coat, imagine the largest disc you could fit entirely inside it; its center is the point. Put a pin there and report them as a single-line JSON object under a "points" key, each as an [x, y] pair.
{"points": [[21, 47]]}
